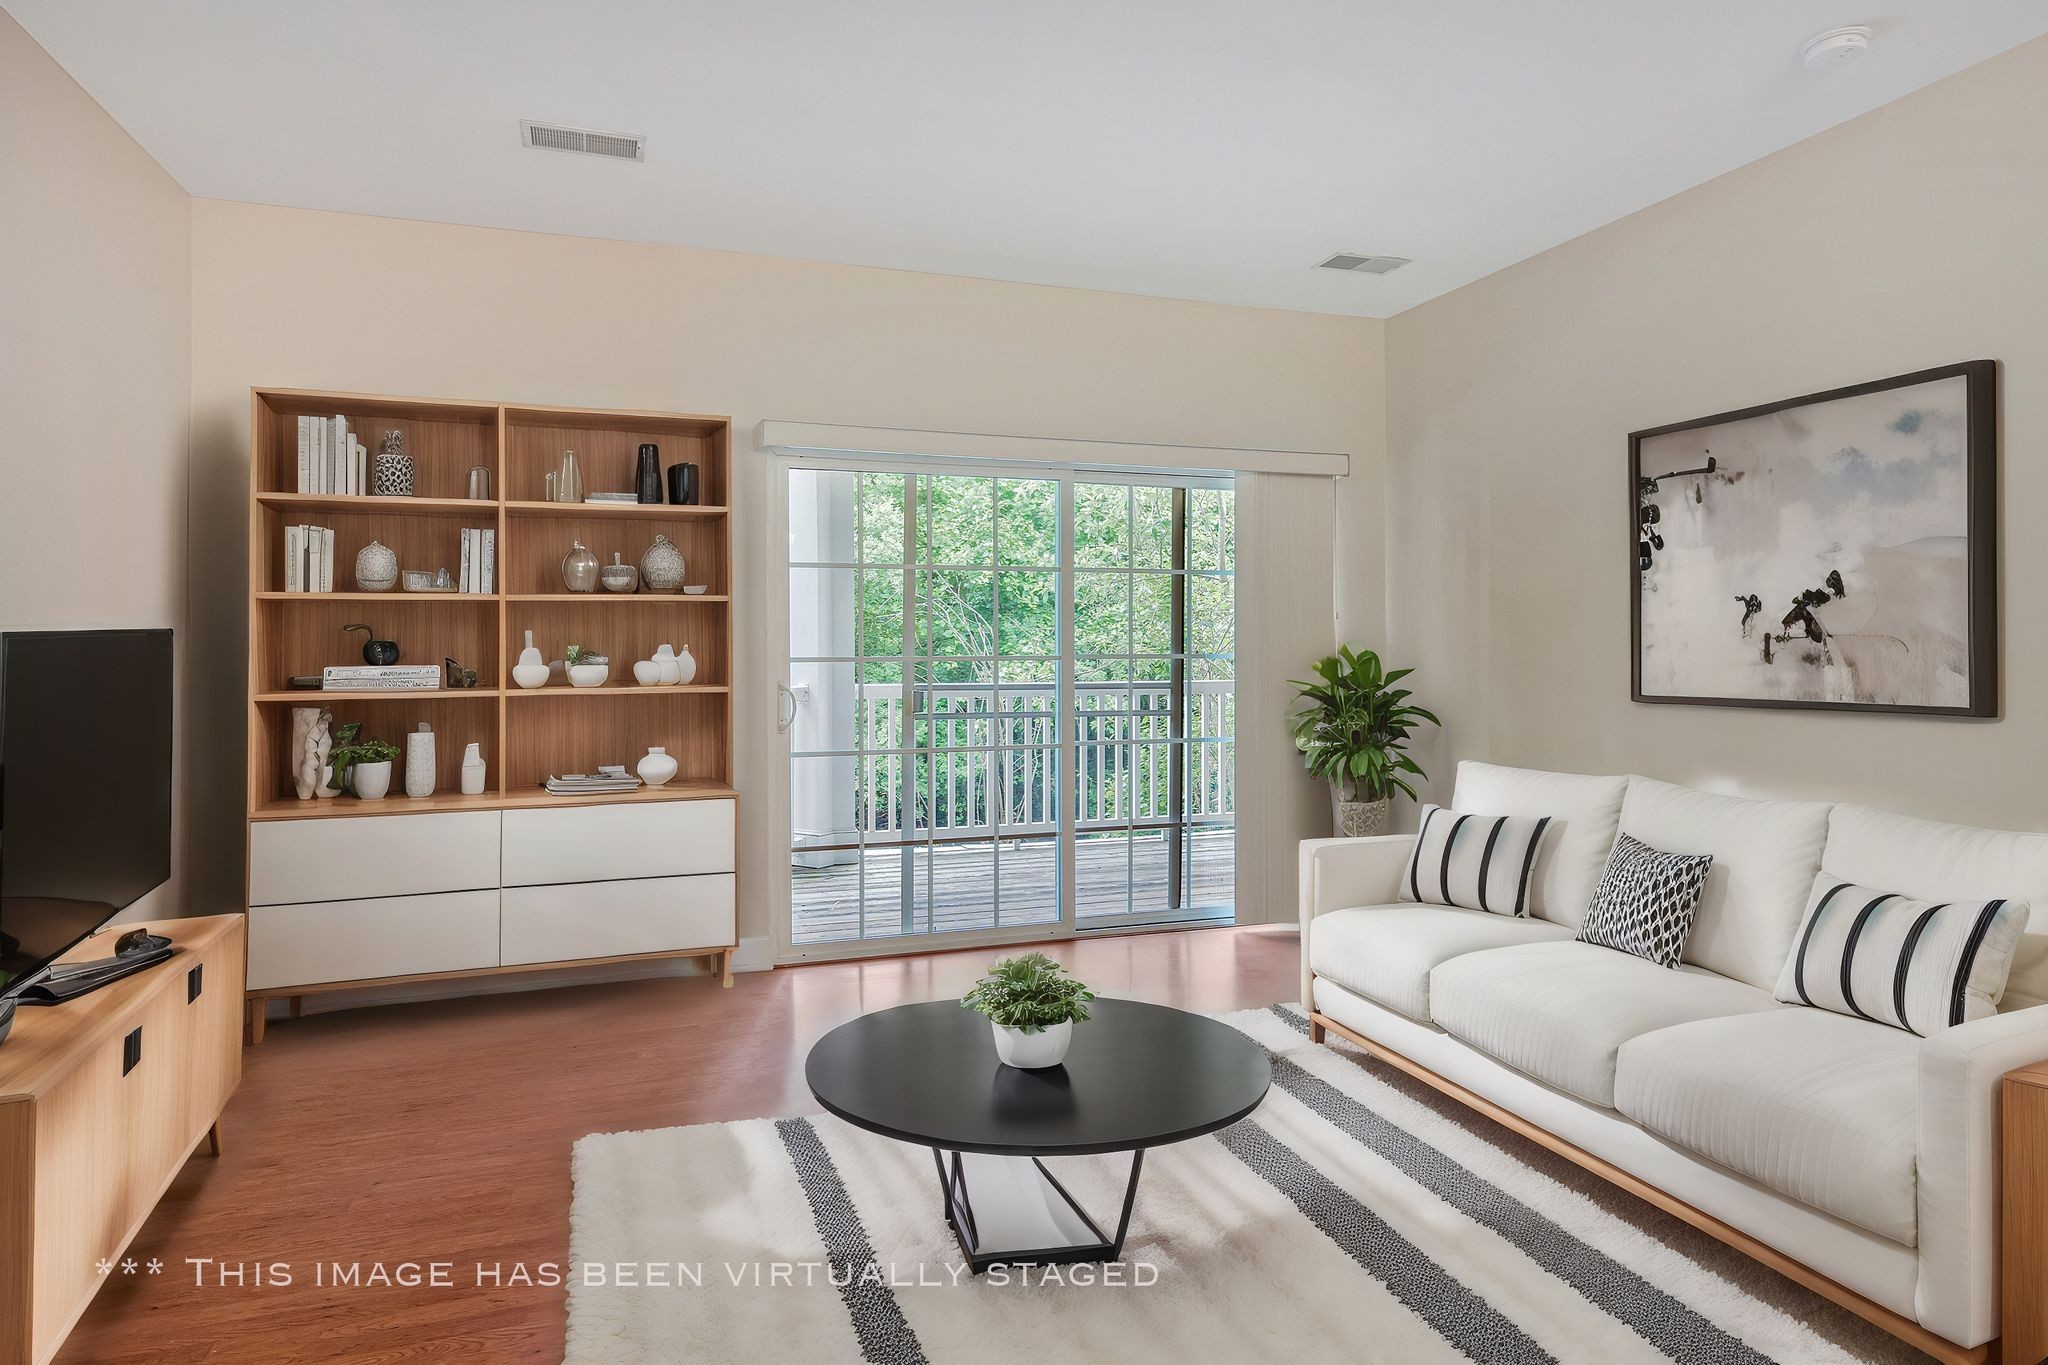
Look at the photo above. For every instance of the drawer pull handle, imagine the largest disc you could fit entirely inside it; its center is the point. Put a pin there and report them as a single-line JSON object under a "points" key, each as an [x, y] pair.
{"points": [[195, 982], [131, 1050]]}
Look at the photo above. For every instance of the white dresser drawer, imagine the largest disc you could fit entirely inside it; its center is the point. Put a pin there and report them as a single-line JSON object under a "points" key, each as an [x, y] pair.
{"points": [[356, 857], [616, 843], [301, 945], [613, 919]]}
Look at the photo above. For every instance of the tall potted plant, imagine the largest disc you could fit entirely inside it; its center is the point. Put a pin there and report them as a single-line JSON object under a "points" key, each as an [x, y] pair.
{"points": [[1352, 730]]}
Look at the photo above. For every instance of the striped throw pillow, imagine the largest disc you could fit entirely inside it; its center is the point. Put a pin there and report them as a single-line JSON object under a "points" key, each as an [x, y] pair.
{"points": [[1918, 965], [1475, 862]]}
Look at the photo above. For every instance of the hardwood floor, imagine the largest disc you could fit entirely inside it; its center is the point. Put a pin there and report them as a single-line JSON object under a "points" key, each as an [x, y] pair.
{"points": [[440, 1132]]}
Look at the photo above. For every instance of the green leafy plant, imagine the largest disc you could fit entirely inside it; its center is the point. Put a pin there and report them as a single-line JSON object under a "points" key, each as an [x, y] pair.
{"points": [[1030, 992], [1352, 727], [347, 751], [573, 655]]}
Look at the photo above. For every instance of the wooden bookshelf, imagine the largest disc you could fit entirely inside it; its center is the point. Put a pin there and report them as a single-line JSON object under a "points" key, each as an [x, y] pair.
{"points": [[556, 729]]}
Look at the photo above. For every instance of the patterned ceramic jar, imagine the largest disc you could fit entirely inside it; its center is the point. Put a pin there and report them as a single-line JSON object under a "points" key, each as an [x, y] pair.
{"points": [[661, 568], [391, 471], [376, 568]]}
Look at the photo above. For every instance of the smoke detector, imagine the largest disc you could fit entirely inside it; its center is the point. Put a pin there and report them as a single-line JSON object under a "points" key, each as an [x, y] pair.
{"points": [[554, 137], [1364, 265], [1836, 47]]}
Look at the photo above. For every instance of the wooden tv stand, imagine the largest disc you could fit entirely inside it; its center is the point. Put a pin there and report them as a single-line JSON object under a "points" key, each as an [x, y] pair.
{"points": [[102, 1099]]}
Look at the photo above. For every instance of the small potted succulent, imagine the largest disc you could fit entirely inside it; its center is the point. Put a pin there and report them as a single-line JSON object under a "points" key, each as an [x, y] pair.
{"points": [[1032, 1006], [587, 668], [365, 762]]}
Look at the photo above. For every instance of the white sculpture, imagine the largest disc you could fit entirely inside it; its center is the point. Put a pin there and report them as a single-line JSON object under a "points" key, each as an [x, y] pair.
{"points": [[312, 740]]}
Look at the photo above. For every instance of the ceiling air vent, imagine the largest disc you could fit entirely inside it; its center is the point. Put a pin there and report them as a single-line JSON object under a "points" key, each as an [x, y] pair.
{"points": [[1364, 265], [553, 137]]}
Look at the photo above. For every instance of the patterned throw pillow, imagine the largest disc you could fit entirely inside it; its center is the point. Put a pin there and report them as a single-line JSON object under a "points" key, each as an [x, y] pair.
{"points": [[1475, 862], [1917, 965], [1645, 901]]}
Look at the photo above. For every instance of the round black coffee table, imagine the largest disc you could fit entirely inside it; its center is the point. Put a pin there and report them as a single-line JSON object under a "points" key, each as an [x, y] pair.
{"points": [[1137, 1076]]}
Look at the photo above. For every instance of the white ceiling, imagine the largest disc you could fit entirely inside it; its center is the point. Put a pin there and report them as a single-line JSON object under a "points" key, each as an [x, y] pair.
{"points": [[1205, 149]]}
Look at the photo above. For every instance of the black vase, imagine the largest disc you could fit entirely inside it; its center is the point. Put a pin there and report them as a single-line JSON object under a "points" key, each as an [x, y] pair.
{"points": [[650, 473], [682, 484]]}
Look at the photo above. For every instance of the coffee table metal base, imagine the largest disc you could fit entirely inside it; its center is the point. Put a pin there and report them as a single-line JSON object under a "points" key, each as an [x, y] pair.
{"points": [[1009, 1210]]}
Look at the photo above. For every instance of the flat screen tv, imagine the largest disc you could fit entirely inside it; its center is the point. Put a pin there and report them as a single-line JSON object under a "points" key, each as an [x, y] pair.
{"points": [[85, 786]]}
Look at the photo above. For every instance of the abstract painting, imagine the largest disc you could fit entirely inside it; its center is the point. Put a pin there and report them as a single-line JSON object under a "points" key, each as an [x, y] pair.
{"points": [[1833, 551]]}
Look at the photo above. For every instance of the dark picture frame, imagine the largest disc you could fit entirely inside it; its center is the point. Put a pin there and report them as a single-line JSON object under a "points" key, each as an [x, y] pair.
{"points": [[1980, 552]]}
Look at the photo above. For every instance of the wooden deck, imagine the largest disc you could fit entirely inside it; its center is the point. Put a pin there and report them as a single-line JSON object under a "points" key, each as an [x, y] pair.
{"points": [[957, 888]]}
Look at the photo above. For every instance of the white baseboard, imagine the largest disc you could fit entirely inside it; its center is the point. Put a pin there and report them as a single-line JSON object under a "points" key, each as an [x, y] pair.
{"points": [[753, 955]]}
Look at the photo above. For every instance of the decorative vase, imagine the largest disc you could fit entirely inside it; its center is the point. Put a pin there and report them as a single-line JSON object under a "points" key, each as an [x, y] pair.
{"points": [[569, 481], [312, 741], [590, 671], [391, 471], [419, 762], [648, 482], [647, 673], [686, 665], [682, 485], [657, 768], [531, 671], [370, 780], [376, 568], [480, 483], [661, 568], [670, 666], [473, 770], [1032, 1051], [579, 569], [1360, 819], [619, 576], [376, 652]]}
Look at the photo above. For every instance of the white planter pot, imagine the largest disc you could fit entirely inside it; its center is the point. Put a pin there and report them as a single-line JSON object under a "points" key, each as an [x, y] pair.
{"points": [[371, 780], [1032, 1051], [589, 675]]}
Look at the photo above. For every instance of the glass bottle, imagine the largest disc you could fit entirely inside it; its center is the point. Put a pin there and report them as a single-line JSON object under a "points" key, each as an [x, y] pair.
{"points": [[569, 484]]}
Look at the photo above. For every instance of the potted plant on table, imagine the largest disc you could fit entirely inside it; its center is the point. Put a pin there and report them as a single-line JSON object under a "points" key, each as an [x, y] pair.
{"points": [[1032, 1006], [1352, 729], [365, 761]]}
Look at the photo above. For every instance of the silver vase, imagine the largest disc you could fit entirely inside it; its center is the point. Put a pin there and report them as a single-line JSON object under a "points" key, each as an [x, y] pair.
{"points": [[661, 568]]}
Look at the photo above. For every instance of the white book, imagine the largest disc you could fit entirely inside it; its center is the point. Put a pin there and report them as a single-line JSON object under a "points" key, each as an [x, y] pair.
{"points": [[361, 455], [318, 455], [294, 558], [316, 557], [490, 559], [327, 566], [466, 578], [305, 455], [337, 449]]}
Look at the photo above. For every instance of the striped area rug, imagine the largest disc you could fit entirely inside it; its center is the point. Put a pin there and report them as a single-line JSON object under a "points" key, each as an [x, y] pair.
{"points": [[1356, 1215]]}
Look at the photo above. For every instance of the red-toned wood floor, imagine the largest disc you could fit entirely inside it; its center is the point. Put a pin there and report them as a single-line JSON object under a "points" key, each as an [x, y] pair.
{"points": [[441, 1132]]}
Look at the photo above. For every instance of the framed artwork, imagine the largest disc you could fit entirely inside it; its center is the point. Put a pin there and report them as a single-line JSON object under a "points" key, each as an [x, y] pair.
{"points": [[1837, 551]]}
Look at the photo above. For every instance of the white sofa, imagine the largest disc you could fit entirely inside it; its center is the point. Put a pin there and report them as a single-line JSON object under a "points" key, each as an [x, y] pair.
{"points": [[1863, 1152]]}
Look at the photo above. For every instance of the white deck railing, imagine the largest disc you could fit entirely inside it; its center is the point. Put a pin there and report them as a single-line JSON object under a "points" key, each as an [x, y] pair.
{"points": [[993, 751]]}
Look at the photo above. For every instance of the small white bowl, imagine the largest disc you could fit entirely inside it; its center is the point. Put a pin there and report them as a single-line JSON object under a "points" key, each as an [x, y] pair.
{"points": [[696, 589], [589, 675], [647, 673]]}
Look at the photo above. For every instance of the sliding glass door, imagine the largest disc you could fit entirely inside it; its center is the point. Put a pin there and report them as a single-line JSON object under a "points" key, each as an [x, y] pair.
{"points": [[1008, 704]]}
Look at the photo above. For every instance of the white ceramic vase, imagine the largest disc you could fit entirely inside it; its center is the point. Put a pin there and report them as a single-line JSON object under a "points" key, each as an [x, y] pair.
{"points": [[686, 665], [657, 768], [531, 671], [371, 780], [473, 770], [647, 673], [670, 666], [419, 762], [1032, 1051]]}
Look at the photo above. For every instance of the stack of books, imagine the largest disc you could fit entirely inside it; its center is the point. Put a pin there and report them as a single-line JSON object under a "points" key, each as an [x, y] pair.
{"points": [[381, 678], [612, 778], [479, 561], [308, 559], [612, 497], [331, 459]]}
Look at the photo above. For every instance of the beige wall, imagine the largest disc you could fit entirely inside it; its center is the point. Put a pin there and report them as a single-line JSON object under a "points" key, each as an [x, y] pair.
{"points": [[95, 369], [1908, 238], [325, 300]]}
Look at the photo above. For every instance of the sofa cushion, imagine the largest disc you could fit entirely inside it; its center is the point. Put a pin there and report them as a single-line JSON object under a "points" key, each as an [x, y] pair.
{"points": [[1479, 862], [1765, 856], [1561, 1011], [1933, 861], [1917, 965], [1644, 904], [1818, 1106], [1583, 812], [1385, 952]]}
